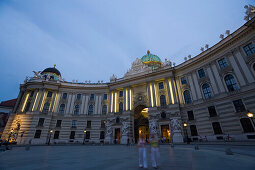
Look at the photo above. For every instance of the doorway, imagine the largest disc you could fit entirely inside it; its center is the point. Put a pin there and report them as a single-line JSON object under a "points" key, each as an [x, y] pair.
{"points": [[117, 136], [141, 123], [165, 134]]}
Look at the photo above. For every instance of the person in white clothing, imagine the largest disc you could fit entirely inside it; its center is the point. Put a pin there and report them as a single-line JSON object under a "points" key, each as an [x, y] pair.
{"points": [[142, 152], [154, 151]]}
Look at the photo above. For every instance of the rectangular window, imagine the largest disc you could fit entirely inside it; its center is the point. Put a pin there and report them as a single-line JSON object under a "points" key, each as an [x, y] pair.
{"points": [[58, 124], [121, 94], [49, 94], [193, 130], [72, 134], [222, 63], [74, 123], [88, 124], [41, 122], [239, 106], [247, 125], [161, 85], [78, 96], [64, 95], [212, 111], [102, 123], [88, 135], [37, 134], [105, 96], [183, 80], [216, 128], [201, 73], [56, 135], [31, 94], [249, 49], [190, 115], [92, 97], [102, 135]]}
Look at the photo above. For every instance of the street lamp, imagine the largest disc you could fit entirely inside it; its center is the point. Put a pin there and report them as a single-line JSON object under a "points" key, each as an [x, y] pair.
{"points": [[51, 131], [84, 136], [251, 116], [186, 133]]}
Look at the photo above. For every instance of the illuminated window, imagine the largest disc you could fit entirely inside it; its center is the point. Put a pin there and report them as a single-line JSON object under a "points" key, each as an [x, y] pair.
{"points": [[121, 94], [64, 95], [230, 82], [212, 111], [201, 73], [105, 96], [216, 128], [92, 97], [74, 122], [56, 135], [247, 125], [183, 80], [161, 85], [78, 96], [207, 91], [190, 115], [187, 97], [90, 112], [222, 63], [249, 49], [193, 130], [120, 107], [37, 134], [104, 109], [76, 109], [62, 108], [163, 100], [72, 135], [46, 107], [239, 106]]}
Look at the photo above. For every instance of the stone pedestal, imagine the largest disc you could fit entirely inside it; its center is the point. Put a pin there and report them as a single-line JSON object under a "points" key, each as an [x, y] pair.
{"points": [[123, 139], [108, 140], [177, 137]]}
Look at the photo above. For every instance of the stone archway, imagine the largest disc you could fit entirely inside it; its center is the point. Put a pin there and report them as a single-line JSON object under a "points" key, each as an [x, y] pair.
{"points": [[141, 122]]}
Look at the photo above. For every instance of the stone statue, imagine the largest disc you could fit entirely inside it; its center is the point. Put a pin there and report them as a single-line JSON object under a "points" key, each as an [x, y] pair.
{"points": [[108, 128], [113, 78], [124, 128], [36, 74], [153, 126], [175, 124], [250, 12]]}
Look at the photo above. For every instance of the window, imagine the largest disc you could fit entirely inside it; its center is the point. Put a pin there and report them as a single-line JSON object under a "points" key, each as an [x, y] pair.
{"points": [[27, 107], [207, 91], [216, 128], [104, 110], [58, 124], [76, 109], [51, 77], [56, 135], [37, 134], [193, 130], [187, 97], [247, 125], [239, 106], [105, 96], [249, 49], [102, 123], [49, 94], [46, 107], [230, 82], [62, 108], [117, 120], [212, 111], [64, 95], [120, 107], [190, 115], [78, 96], [72, 134], [88, 135], [161, 85], [163, 115], [40, 122], [222, 63], [121, 94], [88, 124], [90, 109], [92, 97], [162, 100], [74, 123], [102, 135], [31, 94], [201, 73], [183, 80], [254, 66]]}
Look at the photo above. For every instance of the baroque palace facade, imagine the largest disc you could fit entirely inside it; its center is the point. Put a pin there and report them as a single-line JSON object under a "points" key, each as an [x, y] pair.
{"points": [[205, 97]]}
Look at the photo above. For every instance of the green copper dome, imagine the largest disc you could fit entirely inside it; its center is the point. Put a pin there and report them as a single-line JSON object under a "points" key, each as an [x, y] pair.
{"points": [[151, 59]]}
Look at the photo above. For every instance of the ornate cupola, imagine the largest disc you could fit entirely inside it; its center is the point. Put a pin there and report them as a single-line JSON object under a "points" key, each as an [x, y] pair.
{"points": [[51, 72]]}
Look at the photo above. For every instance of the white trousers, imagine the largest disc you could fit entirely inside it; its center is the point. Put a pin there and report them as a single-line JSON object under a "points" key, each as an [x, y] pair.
{"points": [[142, 158], [154, 156]]}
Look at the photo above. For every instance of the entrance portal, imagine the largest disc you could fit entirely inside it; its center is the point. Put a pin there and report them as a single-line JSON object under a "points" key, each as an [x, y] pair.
{"points": [[141, 122], [117, 136], [165, 133]]}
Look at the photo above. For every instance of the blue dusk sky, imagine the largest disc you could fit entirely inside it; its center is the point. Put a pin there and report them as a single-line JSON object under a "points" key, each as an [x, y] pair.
{"points": [[93, 39]]}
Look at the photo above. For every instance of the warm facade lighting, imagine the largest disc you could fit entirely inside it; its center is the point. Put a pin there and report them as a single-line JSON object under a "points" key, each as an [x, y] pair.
{"points": [[25, 102], [130, 91], [115, 102], [33, 108], [249, 114], [112, 103], [152, 100], [171, 91], [126, 99]]}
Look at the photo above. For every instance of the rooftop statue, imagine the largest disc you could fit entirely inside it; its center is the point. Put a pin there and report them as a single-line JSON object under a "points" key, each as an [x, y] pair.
{"points": [[36, 73], [250, 12]]}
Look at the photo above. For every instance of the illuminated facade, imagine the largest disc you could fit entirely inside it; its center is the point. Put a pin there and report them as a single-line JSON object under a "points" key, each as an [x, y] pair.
{"points": [[210, 94]]}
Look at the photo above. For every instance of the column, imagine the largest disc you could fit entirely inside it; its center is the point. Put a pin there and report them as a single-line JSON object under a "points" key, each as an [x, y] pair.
{"points": [[18, 101], [33, 100], [37, 99], [172, 86], [197, 87], [41, 100], [218, 79], [53, 101], [149, 93], [69, 99], [124, 99], [110, 102], [192, 87], [212, 80], [72, 104], [99, 104], [153, 94], [96, 104], [82, 103], [237, 71], [56, 103], [113, 102], [128, 98], [168, 90], [86, 105]]}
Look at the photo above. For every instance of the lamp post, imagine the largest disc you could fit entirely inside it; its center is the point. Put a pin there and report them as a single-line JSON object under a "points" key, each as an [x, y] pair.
{"points": [[84, 136], [51, 131], [251, 116], [186, 133]]}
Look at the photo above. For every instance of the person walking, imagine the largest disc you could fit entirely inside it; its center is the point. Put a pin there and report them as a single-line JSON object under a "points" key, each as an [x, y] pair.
{"points": [[154, 151], [142, 152]]}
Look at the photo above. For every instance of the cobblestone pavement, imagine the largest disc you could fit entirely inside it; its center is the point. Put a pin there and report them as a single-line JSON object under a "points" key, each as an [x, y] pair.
{"points": [[120, 157]]}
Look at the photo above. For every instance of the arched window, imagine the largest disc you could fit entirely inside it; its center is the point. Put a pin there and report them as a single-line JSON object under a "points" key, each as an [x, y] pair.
{"points": [[62, 108], [187, 97], [120, 107], [162, 100], [90, 110], [104, 109], [207, 90], [46, 107], [247, 125], [230, 82], [76, 109]]}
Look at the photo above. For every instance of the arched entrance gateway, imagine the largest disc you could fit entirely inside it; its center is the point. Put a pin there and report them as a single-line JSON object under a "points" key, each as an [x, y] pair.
{"points": [[141, 122]]}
